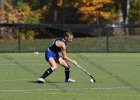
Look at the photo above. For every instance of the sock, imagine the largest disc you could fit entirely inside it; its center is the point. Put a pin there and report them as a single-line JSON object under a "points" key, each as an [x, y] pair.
{"points": [[47, 73], [67, 73]]}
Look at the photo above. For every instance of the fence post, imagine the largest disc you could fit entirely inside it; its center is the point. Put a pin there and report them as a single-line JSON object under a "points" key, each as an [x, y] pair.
{"points": [[19, 41], [107, 44], [107, 40]]}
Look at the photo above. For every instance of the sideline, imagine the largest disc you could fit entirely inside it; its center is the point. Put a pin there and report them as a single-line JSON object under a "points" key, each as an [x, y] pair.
{"points": [[67, 89]]}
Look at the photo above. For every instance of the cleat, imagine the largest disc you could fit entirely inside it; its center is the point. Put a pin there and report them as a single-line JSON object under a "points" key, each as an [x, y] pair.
{"points": [[40, 80], [70, 80]]}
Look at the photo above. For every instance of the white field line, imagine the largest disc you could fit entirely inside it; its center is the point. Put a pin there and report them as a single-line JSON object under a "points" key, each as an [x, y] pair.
{"points": [[13, 80], [66, 89], [28, 60], [117, 60], [22, 64]]}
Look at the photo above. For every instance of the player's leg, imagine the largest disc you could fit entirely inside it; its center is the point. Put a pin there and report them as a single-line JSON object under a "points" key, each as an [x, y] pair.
{"points": [[48, 71], [51, 69], [49, 56], [63, 63]]}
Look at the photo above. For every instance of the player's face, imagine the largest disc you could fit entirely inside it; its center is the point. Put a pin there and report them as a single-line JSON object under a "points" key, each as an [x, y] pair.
{"points": [[69, 38]]}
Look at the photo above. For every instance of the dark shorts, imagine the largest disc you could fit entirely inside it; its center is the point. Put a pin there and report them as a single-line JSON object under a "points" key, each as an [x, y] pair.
{"points": [[49, 54]]}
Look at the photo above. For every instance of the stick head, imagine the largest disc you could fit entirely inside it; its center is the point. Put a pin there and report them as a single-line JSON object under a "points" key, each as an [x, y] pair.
{"points": [[91, 80]]}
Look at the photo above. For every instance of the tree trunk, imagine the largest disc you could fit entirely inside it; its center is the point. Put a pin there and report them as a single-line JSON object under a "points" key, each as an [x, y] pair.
{"points": [[119, 17], [125, 9], [122, 9], [55, 11]]}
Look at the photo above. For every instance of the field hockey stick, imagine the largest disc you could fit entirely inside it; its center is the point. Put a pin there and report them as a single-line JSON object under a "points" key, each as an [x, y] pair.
{"points": [[86, 72]]}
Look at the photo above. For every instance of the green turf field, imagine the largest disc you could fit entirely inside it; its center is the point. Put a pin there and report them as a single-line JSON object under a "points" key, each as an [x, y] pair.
{"points": [[117, 76]]}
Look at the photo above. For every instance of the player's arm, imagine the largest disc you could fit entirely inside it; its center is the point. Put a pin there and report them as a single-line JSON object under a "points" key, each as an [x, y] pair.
{"points": [[65, 57]]}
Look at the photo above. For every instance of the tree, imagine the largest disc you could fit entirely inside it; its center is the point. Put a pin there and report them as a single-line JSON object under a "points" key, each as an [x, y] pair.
{"points": [[21, 14], [125, 11], [122, 12], [95, 11], [134, 13]]}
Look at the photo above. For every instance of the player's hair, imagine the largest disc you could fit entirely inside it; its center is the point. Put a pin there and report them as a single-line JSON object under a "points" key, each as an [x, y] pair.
{"points": [[68, 32]]}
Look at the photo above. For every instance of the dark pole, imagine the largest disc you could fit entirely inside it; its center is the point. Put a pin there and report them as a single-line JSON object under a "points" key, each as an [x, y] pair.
{"points": [[106, 30], [63, 16], [107, 42], [19, 40], [55, 11]]}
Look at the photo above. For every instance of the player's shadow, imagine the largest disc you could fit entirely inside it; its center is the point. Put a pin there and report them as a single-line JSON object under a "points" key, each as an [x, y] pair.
{"points": [[46, 82], [54, 84]]}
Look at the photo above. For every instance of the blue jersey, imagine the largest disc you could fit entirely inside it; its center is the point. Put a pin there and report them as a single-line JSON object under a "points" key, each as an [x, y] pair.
{"points": [[54, 47], [52, 51]]}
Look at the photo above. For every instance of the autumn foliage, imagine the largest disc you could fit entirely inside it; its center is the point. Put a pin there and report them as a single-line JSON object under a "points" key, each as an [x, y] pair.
{"points": [[76, 11], [20, 15], [94, 9]]}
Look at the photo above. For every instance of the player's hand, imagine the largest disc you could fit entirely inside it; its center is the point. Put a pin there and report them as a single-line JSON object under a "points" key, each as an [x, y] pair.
{"points": [[74, 62]]}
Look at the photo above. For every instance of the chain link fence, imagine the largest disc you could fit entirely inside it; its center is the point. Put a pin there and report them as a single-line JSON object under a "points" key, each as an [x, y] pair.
{"points": [[88, 38]]}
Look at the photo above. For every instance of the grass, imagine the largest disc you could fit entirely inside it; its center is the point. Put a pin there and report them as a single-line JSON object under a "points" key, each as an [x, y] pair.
{"points": [[117, 77], [96, 44]]}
